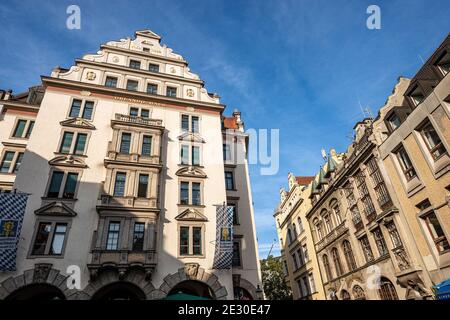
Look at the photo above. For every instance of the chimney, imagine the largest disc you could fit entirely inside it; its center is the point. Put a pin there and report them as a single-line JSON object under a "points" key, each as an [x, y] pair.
{"points": [[7, 95], [239, 122]]}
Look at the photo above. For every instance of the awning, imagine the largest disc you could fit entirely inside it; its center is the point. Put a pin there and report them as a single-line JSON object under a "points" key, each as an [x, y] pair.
{"points": [[442, 290]]}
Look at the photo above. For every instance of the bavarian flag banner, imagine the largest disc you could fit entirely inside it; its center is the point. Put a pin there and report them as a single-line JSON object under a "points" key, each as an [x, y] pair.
{"points": [[12, 210], [224, 238]]}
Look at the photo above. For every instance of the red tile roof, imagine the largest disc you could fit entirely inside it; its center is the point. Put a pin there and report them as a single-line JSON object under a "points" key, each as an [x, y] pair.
{"points": [[230, 123], [303, 181]]}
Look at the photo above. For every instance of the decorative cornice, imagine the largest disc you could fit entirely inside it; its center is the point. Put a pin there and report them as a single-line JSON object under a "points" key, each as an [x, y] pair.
{"points": [[191, 171], [77, 123], [56, 209], [68, 161], [191, 215], [143, 97]]}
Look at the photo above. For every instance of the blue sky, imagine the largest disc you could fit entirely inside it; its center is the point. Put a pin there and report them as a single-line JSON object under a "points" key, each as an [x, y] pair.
{"points": [[299, 66]]}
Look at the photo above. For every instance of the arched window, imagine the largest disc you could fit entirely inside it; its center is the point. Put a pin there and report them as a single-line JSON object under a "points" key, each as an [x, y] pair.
{"points": [[334, 205], [289, 232], [319, 229], [326, 266], [349, 257], [337, 261], [300, 225], [358, 293], [345, 295], [294, 229], [387, 290], [327, 219]]}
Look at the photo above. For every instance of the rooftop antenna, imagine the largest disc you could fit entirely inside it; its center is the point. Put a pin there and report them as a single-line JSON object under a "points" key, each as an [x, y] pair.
{"points": [[421, 59]]}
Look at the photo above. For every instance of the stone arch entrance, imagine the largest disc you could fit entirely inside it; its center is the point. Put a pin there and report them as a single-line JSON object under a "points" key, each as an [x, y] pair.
{"points": [[120, 290], [39, 292], [42, 279], [243, 289], [193, 288], [109, 284], [193, 274]]}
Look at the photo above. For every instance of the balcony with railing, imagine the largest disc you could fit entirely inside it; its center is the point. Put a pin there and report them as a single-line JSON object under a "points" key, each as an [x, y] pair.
{"points": [[134, 120], [107, 200], [121, 260]]}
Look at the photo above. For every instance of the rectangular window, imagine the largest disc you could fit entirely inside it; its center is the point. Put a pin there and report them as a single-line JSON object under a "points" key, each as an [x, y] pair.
{"points": [[184, 241], [42, 236], [152, 88], [295, 260], [112, 242], [80, 143], [184, 155], [7, 161], [134, 64], [379, 240], [132, 85], [18, 162], [145, 113], [147, 146], [30, 129], [433, 141], [195, 124], [138, 236], [236, 261], [87, 110], [55, 184], [184, 193], [229, 180], [75, 108], [196, 197], [119, 185], [195, 156], [394, 122], [143, 186], [365, 244], [111, 82], [379, 186], [197, 241], [134, 112], [20, 128], [70, 186], [185, 122], [171, 92], [361, 185], [58, 239], [125, 143], [153, 67], [406, 164], [235, 214], [66, 143], [226, 152], [436, 232]]}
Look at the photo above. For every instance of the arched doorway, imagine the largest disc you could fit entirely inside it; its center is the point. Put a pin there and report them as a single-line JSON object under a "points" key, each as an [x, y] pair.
{"points": [[38, 292], [242, 294], [119, 291], [192, 288]]}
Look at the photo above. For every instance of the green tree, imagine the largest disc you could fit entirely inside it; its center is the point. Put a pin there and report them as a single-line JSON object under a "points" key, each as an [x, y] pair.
{"points": [[275, 287]]}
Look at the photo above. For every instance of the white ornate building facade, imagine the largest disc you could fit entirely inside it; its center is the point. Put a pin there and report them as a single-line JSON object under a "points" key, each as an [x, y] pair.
{"points": [[129, 157]]}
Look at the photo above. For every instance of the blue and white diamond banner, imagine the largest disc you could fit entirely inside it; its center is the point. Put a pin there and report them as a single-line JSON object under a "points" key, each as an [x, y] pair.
{"points": [[224, 238], [12, 211]]}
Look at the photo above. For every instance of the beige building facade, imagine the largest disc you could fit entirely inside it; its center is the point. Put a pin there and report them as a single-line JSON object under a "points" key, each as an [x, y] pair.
{"points": [[125, 169], [414, 138], [297, 246], [379, 212]]}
